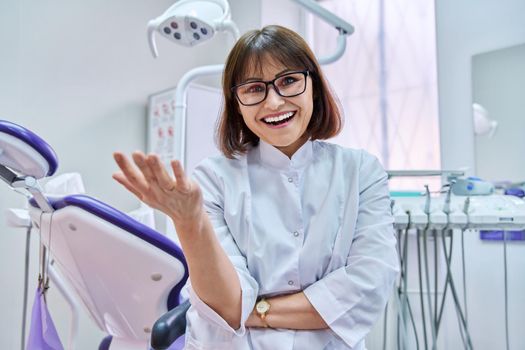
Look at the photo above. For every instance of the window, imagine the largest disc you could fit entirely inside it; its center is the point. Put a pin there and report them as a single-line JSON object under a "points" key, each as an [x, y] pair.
{"points": [[386, 81]]}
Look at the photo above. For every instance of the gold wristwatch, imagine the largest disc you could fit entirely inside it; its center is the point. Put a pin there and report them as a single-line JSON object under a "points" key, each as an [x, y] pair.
{"points": [[262, 307]]}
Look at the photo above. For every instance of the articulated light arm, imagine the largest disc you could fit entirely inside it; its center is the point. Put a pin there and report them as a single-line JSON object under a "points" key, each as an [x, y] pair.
{"points": [[180, 106], [327, 16], [343, 27], [339, 50], [229, 26]]}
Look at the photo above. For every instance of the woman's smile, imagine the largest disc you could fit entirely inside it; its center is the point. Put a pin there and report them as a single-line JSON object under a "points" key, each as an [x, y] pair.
{"points": [[279, 120]]}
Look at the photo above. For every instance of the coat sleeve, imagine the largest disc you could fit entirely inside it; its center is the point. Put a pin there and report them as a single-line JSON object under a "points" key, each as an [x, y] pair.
{"points": [[350, 299], [206, 325]]}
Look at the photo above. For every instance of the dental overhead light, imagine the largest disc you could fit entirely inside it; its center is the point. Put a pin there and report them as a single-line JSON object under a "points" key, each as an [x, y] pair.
{"points": [[191, 22]]}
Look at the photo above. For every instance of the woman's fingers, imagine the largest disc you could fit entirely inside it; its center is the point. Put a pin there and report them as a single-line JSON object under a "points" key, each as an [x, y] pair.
{"points": [[148, 179], [183, 185], [132, 177], [164, 180], [151, 176], [140, 160], [121, 178]]}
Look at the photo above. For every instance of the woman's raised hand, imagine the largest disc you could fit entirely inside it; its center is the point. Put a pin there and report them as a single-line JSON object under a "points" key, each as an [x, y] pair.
{"points": [[179, 197]]}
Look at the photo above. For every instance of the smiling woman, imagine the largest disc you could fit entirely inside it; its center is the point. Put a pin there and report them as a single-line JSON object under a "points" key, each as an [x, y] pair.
{"points": [[277, 57], [289, 239]]}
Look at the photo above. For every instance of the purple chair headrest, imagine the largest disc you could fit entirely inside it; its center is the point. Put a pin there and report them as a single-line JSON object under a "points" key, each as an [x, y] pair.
{"points": [[32, 140]]}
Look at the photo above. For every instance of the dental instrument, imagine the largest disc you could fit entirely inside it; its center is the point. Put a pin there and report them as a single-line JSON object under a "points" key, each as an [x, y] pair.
{"points": [[426, 214], [471, 186], [446, 213]]}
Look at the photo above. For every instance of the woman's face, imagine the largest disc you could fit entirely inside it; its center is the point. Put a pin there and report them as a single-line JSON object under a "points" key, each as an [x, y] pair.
{"points": [[263, 119]]}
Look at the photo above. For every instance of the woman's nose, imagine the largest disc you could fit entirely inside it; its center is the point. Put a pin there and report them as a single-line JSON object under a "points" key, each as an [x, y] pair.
{"points": [[273, 99]]}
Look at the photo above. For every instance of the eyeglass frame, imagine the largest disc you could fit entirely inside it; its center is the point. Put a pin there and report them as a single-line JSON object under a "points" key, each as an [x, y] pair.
{"points": [[233, 89]]}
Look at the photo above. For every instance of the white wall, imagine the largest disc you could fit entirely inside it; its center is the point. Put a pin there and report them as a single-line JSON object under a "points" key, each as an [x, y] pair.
{"points": [[284, 13], [78, 73], [498, 82], [466, 28]]}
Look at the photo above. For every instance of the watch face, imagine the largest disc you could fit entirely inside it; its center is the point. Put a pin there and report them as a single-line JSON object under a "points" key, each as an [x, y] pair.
{"points": [[262, 306]]}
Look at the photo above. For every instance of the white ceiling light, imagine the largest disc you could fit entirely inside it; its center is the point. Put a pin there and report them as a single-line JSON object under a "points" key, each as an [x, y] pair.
{"points": [[191, 22]]}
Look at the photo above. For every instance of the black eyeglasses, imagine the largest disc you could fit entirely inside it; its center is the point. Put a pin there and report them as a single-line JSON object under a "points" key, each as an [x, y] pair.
{"points": [[254, 92]]}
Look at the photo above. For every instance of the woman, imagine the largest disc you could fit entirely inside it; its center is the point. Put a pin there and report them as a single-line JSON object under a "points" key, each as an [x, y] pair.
{"points": [[289, 240]]}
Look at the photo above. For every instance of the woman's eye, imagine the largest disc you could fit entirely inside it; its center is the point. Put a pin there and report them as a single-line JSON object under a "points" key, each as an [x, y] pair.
{"points": [[287, 81], [251, 89]]}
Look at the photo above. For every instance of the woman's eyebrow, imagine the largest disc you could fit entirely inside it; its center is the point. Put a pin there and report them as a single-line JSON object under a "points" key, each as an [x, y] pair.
{"points": [[283, 72], [276, 75], [252, 79]]}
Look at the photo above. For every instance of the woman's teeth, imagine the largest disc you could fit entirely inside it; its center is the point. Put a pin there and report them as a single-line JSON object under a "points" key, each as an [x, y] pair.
{"points": [[279, 119]]}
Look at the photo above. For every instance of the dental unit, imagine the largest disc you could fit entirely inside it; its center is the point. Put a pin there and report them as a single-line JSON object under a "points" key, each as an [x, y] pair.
{"points": [[465, 205]]}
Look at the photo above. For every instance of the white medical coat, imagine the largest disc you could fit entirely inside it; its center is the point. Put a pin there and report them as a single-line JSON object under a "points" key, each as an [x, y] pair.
{"points": [[319, 222]]}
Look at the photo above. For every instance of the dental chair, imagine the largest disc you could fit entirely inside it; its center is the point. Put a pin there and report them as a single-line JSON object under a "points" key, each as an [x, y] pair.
{"points": [[125, 274]]}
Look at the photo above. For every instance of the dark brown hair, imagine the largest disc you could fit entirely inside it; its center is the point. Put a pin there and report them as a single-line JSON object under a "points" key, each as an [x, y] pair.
{"points": [[286, 47]]}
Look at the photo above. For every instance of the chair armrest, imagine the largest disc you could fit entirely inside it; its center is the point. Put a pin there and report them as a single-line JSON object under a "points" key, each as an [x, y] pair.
{"points": [[169, 327]]}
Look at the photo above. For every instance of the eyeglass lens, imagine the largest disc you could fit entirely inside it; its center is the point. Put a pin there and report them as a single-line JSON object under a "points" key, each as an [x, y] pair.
{"points": [[287, 85]]}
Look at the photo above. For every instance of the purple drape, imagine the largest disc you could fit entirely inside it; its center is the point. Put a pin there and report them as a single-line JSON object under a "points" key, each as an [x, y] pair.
{"points": [[42, 332]]}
